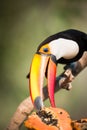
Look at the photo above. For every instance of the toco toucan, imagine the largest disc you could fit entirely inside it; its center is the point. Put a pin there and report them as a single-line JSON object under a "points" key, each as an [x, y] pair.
{"points": [[64, 47]]}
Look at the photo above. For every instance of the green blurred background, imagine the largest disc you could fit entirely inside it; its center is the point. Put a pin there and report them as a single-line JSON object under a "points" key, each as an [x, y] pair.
{"points": [[24, 24]]}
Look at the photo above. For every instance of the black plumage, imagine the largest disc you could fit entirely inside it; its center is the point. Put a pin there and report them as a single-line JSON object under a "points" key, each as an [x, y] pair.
{"points": [[75, 35]]}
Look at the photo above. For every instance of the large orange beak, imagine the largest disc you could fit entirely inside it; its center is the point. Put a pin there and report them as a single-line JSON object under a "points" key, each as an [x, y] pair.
{"points": [[40, 64]]}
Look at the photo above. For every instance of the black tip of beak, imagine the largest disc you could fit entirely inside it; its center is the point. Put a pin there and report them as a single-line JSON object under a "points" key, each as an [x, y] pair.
{"points": [[38, 103]]}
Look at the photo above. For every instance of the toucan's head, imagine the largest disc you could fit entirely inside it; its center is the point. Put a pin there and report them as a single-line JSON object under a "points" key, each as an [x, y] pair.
{"points": [[45, 63]]}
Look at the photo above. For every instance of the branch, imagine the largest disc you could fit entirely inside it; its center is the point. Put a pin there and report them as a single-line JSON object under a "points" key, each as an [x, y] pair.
{"points": [[62, 81], [77, 67]]}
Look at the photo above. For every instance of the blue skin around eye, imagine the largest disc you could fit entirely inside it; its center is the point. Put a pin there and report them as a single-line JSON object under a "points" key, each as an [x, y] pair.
{"points": [[45, 49]]}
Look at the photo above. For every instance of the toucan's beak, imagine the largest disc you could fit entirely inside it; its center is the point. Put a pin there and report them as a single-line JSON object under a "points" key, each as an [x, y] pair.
{"points": [[40, 64]]}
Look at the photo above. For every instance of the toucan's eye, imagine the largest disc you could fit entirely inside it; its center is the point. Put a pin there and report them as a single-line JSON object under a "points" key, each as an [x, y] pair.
{"points": [[45, 49]]}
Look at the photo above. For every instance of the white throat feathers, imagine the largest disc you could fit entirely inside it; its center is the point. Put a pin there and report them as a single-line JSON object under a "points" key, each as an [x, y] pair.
{"points": [[65, 48]]}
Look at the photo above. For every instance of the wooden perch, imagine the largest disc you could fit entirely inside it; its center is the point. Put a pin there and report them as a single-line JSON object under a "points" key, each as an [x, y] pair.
{"points": [[62, 81]]}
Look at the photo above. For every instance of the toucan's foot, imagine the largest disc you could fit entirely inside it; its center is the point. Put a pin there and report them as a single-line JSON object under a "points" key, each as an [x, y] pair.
{"points": [[69, 75], [66, 80]]}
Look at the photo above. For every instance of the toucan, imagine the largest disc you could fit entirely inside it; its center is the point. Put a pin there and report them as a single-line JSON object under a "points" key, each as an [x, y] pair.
{"points": [[64, 47]]}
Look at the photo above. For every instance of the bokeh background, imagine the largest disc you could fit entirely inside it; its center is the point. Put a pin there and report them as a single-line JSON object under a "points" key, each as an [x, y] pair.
{"points": [[24, 24]]}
